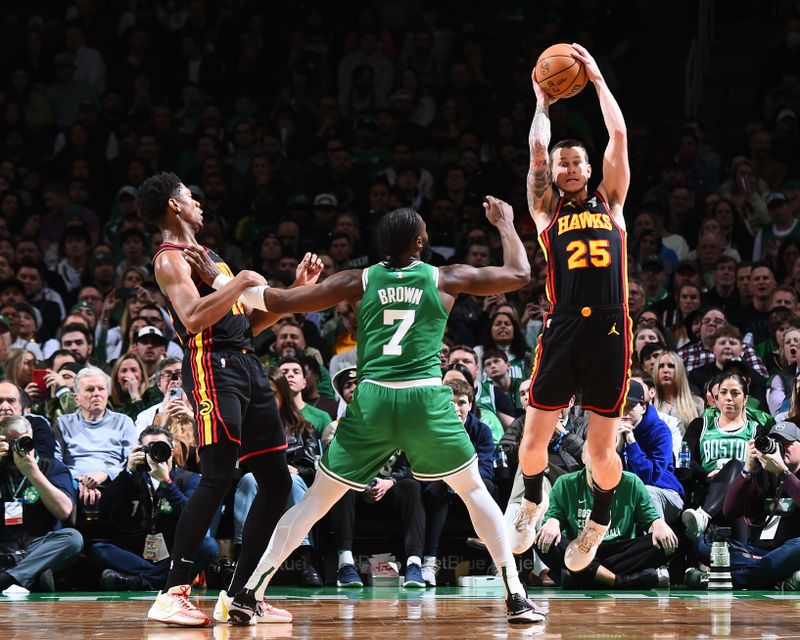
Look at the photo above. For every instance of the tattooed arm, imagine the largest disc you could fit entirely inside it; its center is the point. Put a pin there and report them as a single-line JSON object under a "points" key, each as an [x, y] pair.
{"points": [[540, 177]]}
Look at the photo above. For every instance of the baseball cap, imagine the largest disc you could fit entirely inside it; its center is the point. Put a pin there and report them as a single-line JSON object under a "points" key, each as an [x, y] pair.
{"points": [[342, 377], [325, 200], [150, 332], [774, 199], [653, 263], [102, 256], [687, 266], [786, 113], [127, 190], [787, 431], [82, 305], [636, 393], [298, 201], [10, 283]]}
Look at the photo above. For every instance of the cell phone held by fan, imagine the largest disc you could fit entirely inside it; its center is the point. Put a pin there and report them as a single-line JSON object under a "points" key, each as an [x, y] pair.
{"points": [[175, 393], [38, 378]]}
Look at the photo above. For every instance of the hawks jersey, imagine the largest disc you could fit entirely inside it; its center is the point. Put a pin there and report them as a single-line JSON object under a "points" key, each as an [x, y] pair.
{"points": [[231, 333], [586, 255], [401, 322]]}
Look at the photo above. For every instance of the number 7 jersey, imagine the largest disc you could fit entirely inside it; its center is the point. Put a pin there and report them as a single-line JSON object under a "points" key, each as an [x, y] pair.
{"points": [[586, 255], [401, 322]]}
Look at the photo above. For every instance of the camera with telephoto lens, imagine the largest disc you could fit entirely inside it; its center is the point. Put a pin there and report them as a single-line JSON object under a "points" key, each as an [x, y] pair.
{"points": [[765, 444], [158, 450], [716, 533], [22, 446]]}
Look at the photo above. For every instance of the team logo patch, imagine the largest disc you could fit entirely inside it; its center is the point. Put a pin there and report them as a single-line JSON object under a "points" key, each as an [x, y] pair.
{"points": [[613, 330], [206, 407]]}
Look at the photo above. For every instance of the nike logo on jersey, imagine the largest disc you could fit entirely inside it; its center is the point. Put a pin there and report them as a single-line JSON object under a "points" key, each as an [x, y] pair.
{"points": [[613, 331]]}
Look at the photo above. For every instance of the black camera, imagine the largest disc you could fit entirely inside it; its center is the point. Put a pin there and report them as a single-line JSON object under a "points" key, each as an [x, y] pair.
{"points": [[765, 444], [717, 533], [175, 375], [500, 463], [158, 450], [22, 446]]}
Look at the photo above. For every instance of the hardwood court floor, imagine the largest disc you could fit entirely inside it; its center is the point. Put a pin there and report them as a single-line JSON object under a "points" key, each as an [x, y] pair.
{"points": [[387, 614]]}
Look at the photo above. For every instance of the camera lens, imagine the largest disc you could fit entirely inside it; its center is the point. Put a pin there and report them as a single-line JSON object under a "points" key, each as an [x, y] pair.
{"points": [[159, 451], [22, 446], [765, 444], [175, 375]]}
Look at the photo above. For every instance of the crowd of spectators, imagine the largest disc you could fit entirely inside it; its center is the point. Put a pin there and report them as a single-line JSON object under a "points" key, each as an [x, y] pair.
{"points": [[297, 129]]}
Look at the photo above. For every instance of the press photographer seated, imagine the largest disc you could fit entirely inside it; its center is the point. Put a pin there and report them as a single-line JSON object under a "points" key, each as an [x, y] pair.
{"points": [[766, 493], [143, 504], [37, 494]]}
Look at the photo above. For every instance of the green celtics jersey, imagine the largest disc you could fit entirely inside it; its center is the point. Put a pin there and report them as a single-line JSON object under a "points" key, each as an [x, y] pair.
{"points": [[317, 418], [571, 502], [717, 446], [401, 322]]}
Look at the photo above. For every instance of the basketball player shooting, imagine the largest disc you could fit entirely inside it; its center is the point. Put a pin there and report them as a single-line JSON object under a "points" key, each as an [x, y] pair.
{"points": [[585, 343]]}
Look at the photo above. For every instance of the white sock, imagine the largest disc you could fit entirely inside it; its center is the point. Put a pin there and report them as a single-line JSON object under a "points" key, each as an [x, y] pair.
{"points": [[346, 557], [487, 519], [413, 560], [293, 526], [429, 561]]}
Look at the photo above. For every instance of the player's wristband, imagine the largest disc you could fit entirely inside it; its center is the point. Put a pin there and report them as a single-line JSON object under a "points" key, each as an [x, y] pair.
{"points": [[254, 297], [220, 281]]}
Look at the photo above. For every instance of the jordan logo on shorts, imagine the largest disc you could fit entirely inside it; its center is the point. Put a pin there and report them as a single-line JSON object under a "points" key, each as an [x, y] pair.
{"points": [[613, 330]]}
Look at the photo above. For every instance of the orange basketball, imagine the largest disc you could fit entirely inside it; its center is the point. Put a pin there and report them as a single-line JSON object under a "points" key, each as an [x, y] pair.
{"points": [[558, 73]]}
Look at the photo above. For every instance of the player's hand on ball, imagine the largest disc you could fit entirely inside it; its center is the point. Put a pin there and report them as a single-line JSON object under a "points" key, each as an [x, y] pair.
{"points": [[542, 97], [589, 63], [201, 263]]}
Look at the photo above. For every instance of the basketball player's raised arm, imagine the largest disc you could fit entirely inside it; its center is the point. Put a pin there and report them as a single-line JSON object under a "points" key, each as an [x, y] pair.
{"points": [[515, 272], [196, 312], [616, 168], [540, 177]]}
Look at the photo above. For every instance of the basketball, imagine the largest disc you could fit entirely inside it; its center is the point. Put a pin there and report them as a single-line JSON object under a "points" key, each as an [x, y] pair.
{"points": [[558, 73]]}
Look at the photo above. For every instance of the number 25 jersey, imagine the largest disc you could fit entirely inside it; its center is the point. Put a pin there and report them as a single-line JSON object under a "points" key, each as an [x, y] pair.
{"points": [[401, 322], [586, 255]]}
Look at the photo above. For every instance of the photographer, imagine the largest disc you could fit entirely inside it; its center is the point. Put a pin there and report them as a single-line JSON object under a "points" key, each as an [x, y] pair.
{"points": [[766, 494], [37, 494], [143, 504]]}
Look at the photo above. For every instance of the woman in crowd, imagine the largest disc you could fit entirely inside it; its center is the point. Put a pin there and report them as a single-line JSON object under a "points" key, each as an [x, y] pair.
{"points": [[718, 444], [673, 397], [505, 333], [688, 300], [130, 390]]}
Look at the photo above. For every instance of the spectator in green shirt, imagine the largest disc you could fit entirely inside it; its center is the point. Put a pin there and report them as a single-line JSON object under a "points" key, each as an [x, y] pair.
{"points": [[627, 558]]}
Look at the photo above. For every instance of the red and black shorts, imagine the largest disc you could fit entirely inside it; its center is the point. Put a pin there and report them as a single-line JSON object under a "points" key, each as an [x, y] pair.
{"points": [[232, 401], [584, 351]]}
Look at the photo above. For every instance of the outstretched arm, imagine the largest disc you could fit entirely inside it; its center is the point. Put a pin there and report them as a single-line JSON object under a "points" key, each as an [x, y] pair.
{"points": [[540, 177], [616, 170], [174, 276], [515, 272]]}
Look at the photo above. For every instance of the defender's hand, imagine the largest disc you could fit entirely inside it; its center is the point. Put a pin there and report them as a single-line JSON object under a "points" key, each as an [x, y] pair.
{"points": [[201, 264]]}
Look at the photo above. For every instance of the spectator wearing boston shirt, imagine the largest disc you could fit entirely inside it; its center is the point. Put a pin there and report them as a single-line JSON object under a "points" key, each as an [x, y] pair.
{"points": [[767, 494]]}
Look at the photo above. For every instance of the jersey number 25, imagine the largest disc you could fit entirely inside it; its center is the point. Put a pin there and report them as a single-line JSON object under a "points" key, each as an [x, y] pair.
{"points": [[597, 250]]}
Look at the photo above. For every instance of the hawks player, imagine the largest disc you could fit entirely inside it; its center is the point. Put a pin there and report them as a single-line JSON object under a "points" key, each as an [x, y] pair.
{"points": [[585, 343]]}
